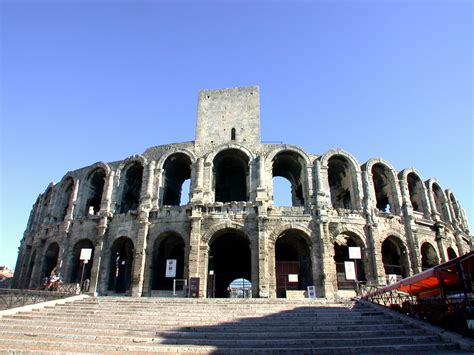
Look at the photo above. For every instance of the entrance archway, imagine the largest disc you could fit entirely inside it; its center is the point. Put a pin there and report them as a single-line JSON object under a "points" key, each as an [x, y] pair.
{"points": [[50, 259], [451, 253], [394, 258], [169, 246], [341, 255], [292, 262], [121, 265], [429, 257], [229, 259], [76, 264]]}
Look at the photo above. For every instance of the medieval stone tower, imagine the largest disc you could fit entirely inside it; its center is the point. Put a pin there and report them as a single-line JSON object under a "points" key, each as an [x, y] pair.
{"points": [[131, 215]]}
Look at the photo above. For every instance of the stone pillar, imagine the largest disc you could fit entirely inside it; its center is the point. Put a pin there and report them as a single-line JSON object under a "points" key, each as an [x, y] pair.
{"points": [[35, 280], [98, 270], [208, 193], [435, 214], [261, 188], [197, 196], [263, 275], [410, 228], [194, 244], [309, 184], [459, 244], [140, 256], [316, 259], [105, 205], [328, 274], [146, 291]]}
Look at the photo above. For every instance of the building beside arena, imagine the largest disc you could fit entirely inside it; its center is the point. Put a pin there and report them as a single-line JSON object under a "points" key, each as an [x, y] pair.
{"points": [[128, 212]]}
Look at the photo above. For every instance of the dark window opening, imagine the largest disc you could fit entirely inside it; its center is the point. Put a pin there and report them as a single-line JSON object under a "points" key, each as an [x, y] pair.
{"points": [[121, 265], [177, 169], [340, 181], [440, 202], [229, 259], [132, 188], [290, 166], [341, 255], [415, 190], [383, 188], [50, 259], [451, 254], [67, 188], [455, 206], [171, 247], [232, 134], [231, 169], [94, 190], [292, 257]]}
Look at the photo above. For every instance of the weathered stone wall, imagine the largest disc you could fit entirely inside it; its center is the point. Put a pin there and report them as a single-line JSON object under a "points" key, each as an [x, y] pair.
{"points": [[391, 214]]}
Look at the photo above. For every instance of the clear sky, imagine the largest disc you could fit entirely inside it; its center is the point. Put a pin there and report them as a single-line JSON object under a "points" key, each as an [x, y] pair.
{"points": [[87, 81]]}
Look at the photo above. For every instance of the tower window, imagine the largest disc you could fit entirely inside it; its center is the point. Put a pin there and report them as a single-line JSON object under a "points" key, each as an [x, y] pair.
{"points": [[232, 134]]}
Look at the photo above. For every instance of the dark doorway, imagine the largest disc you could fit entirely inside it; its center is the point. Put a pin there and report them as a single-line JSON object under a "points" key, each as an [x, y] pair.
{"points": [[341, 255], [131, 188], [231, 169], [76, 263], [429, 257], [292, 257], [50, 259], [451, 254], [177, 169], [229, 259], [93, 190], [121, 265], [171, 247], [393, 258]]}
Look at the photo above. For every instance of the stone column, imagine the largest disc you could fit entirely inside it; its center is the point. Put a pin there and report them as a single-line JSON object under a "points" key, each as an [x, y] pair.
{"points": [[261, 188], [309, 184], [146, 291], [328, 273], [105, 205], [198, 186], [410, 227], [140, 255], [36, 272], [194, 244], [263, 276], [98, 274]]}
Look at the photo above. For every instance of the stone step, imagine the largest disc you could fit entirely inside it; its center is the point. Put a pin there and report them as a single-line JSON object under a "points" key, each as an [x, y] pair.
{"points": [[227, 327], [18, 345], [216, 332]]}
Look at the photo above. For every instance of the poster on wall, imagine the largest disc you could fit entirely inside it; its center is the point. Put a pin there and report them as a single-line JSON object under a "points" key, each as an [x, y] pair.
{"points": [[86, 254], [171, 268], [350, 270], [292, 277], [311, 291], [354, 253]]}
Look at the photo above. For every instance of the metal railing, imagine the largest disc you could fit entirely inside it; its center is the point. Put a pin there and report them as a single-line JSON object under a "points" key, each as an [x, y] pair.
{"points": [[12, 298]]}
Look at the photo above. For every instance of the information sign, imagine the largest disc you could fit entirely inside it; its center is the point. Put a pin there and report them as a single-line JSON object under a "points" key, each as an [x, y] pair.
{"points": [[85, 254], [354, 253], [350, 270], [292, 277], [171, 268]]}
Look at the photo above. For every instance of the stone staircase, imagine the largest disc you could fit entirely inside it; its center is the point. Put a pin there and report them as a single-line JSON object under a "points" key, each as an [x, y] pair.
{"points": [[139, 325]]}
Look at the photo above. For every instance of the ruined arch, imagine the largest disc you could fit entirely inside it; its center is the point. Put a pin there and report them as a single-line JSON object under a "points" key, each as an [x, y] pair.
{"points": [[168, 245], [292, 254], [395, 257], [66, 190], [93, 190], [131, 185], [29, 271], [45, 204], [121, 265], [50, 259], [429, 256], [454, 205], [290, 165], [176, 170], [229, 258], [231, 175], [75, 267], [385, 186]]}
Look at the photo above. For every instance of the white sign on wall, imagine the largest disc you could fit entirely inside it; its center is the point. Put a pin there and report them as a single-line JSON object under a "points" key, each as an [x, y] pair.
{"points": [[171, 268], [350, 270], [311, 291], [85, 254], [292, 277], [354, 253], [392, 278]]}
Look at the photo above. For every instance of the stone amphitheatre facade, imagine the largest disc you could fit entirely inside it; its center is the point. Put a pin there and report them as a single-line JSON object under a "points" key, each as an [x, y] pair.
{"points": [[129, 213]]}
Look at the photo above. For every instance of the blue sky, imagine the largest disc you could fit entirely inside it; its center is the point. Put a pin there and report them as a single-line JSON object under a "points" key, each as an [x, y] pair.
{"points": [[85, 81]]}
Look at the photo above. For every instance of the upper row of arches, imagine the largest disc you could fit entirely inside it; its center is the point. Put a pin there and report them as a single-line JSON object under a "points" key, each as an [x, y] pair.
{"points": [[233, 173]]}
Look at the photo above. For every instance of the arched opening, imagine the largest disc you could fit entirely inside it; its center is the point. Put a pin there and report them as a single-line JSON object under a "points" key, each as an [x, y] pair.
{"points": [[30, 270], [45, 206], [457, 215], [231, 171], [429, 257], [394, 258], [289, 165], [383, 185], [66, 193], [132, 184], [176, 170], [240, 288], [76, 263], [167, 247], [93, 190], [281, 191], [50, 259], [451, 253], [440, 202], [229, 259], [415, 190], [341, 256], [292, 262], [121, 265], [340, 182]]}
